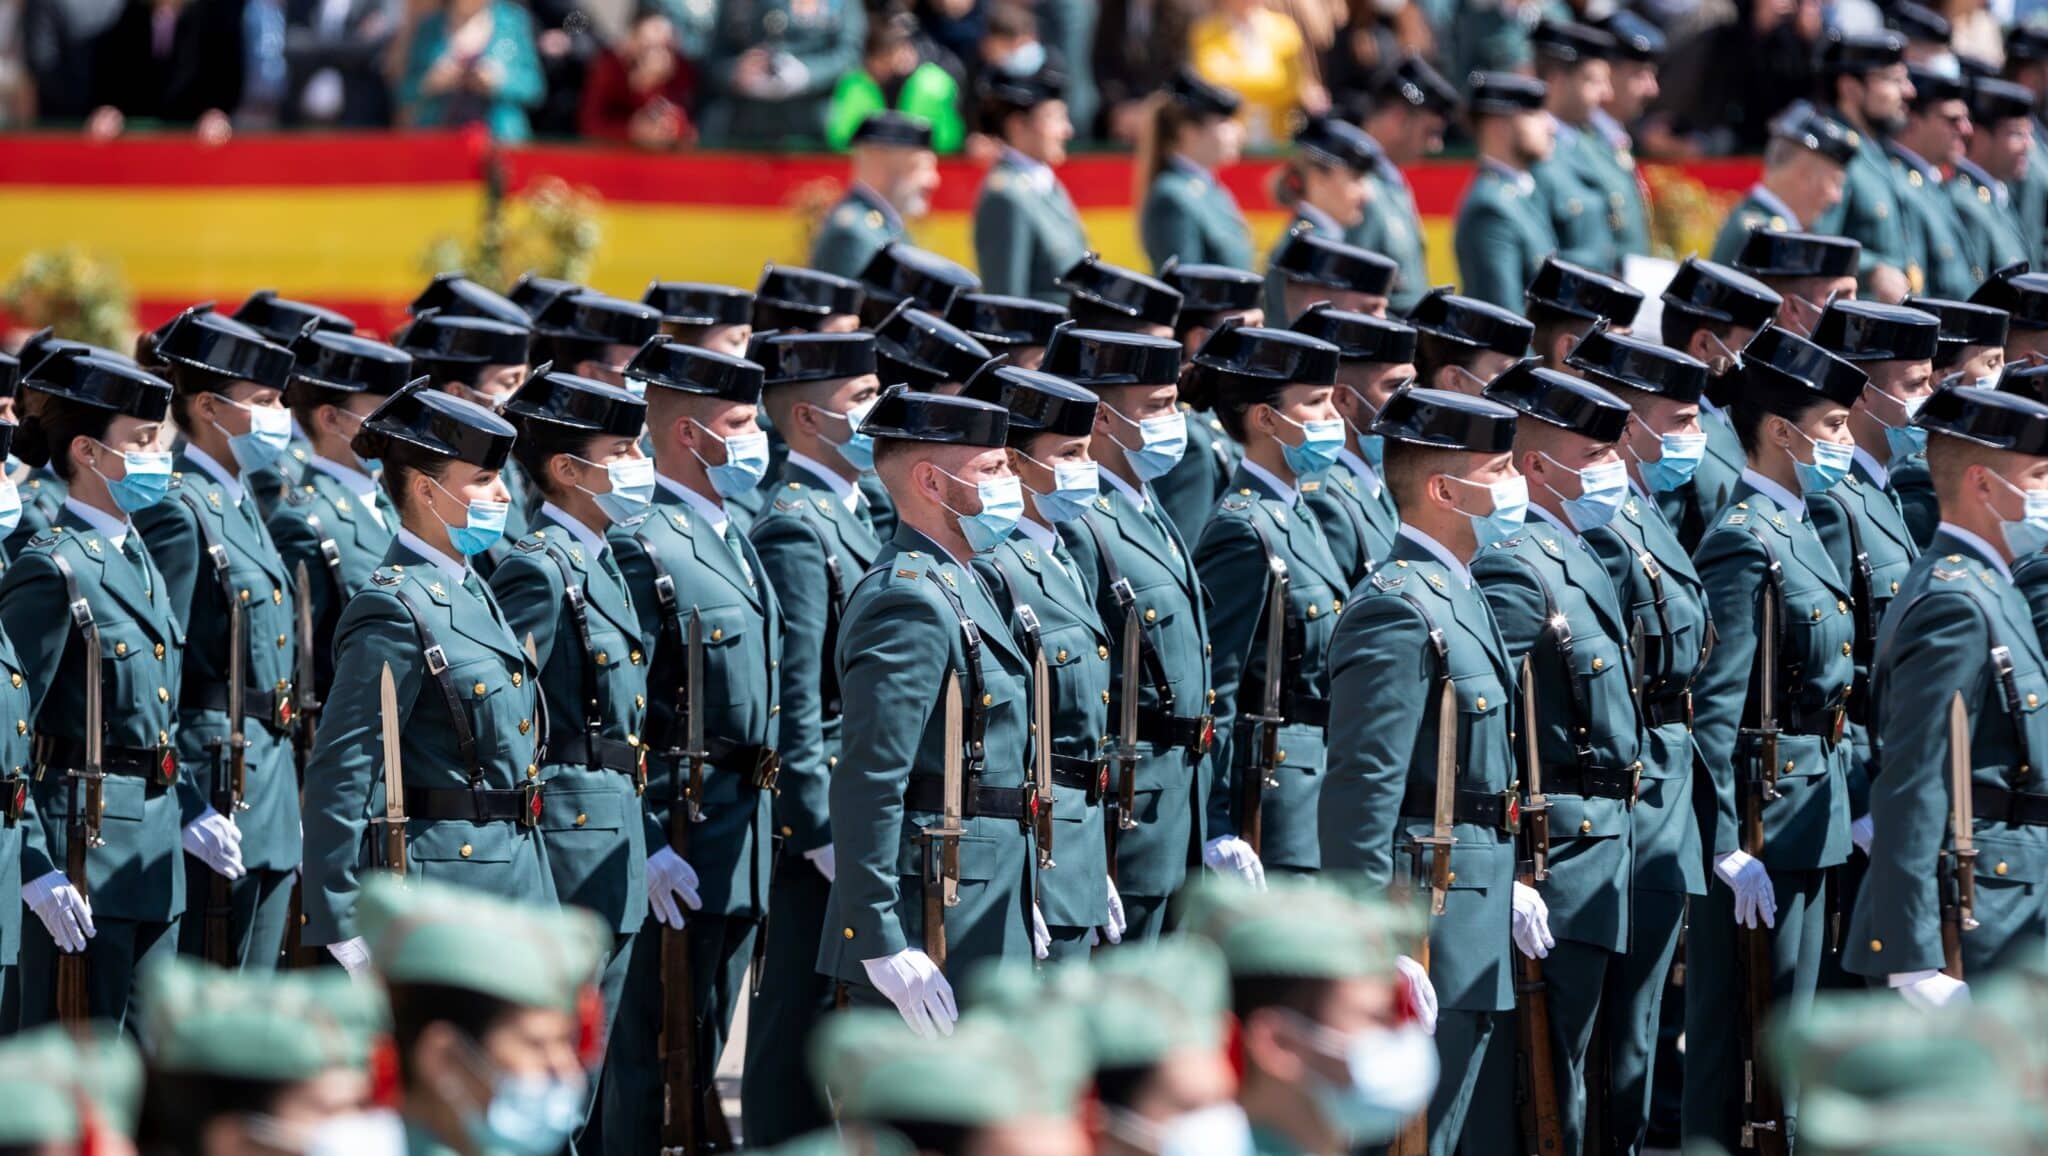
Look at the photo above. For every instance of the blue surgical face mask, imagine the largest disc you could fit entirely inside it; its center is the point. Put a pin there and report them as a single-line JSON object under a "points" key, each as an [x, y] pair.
{"points": [[1002, 505], [1161, 442], [746, 462], [1217, 1130], [10, 507], [1510, 509], [270, 434], [370, 465], [1392, 1073], [2030, 533], [1601, 491], [1831, 461], [632, 489], [527, 1115], [1321, 442], [146, 480], [1075, 486], [1372, 446], [1905, 439], [858, 449], [1678, 456], [485, 526]]}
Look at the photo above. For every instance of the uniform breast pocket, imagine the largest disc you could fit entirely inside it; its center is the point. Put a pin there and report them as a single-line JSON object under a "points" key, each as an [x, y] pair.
{"points": [[1482, 728], [2031, 689], [1080, 675], [1825, 631], [566, 811], [489, 702], [727, 634]]}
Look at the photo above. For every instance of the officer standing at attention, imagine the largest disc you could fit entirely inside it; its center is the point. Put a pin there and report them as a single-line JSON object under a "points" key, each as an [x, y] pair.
{"points": [[1972, 345], [1866, 82], [1982, 189], [1962, 626], [585, 333], [1503, 229], [1311, 266], [1806, 163], [1026, 229], [1325, 183], [2024, 298], [211, 546], [1574, 62], [916, 347], [1453, 478], [1211, 295], [1639, 50], [1937, 124], [1015, 327], [1185, 213], [815, 540], [20, 827], [1138, 564], [1461, 344], [894, 175], [918, 621], [1411, 106], [1375, 361], [1710, 312], [1792, 414], [283, 322], [562, 593], [478, 359], [1556, 607], [1052, 614], [1271, 389], [457, 296], [1566, 301], [690, 570], [95, 420], [1663, 602], [791, 297], [719, 318], [470, 718]]}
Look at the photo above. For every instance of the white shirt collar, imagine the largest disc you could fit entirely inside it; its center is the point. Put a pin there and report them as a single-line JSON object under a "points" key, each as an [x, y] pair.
{"points": [[1181, 162], [113, 529], [712, 512], [847, 492], [1040, 533], [1523, 180], [455, 568], [355, 481], [591, 540], [216, 471], [1770, 201], [1879, 473], [1361, 468], [1562, 526], [1914, 161], [1136, 496], [1612, 129], [1710, 409], [1788, 501], [1989, 553], [1437, 550], [1038, 174], [1288, 494]]}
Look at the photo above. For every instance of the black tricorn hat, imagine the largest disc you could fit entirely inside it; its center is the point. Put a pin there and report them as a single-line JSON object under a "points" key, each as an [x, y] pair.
{"points": [[907, 415], [1335, 141], [1099, 357], [1310, 257], [1634, 37], [44, 343], [1931, 88], [1411, 81], [533, 293], [564, 402], [1470, 322], [339, 363], [1212, 288], [86, 377], [1992, 100], [665, 363], [1769, 253], [1002, 94], [2002, 419], [1872, 331], [1505, 93], [281, 320], [466, 341], [794, 358], [2026, 43], [1124, 292], [202, 339], [1039, 403], [1244, 355], [1211, 101], [1003, 323], [1442, 419], [1816, 131], [914, 346], [891, 128], [1845, 54], [1918, 23], [1577, 291], [438, 423], [1570, 43], [1962, 325], [803, 296], [457, 296], [588, 315], [1560, 400], [1711, 291], [1785, 373], [2023, 295], [2027, 379], [699, 303], [10, 375], [1359, 337], [899, 272], [1616, 359]]}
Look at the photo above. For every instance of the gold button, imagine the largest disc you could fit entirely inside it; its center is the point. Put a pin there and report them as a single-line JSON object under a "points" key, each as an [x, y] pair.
{"points": [[302, 918], [15, 679], [1279, 756], [639, 702], [159, 651], [1212, 696], [849, 933], [525, 724], [1151, 615], [1845, 650], [276, 596], [21, 728], [1599, 664], [479, 689], [988, 700], [466, 849], [632, 740], [245, 595], [517, 678], [788, 831], [776, 709], [1314, 610], [532, 772], [281, 640], [717, 633], [582, 818], [1336, 605], [1105, 698], [1816, 614], [2032, 699], [832, 760], [163, 694], [1451, 878], [634, 658], [1481, 704], [603, 658], [120, 649], [2000, 869], [1102, 652], [1788, 764], [1841, 607], [1585, 826], [1877, 945], [1060, 657], [1895, 587]]}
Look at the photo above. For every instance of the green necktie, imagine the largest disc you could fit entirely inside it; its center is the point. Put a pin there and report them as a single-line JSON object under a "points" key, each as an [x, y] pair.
{"points": [[739, 550], [131, 550]]}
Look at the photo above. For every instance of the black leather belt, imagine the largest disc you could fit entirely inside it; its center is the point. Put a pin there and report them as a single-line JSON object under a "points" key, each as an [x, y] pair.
{"points": [[610, 754], [158, 765], [521, 806], [1658, 712], [13, 799], [1998, 805], [1304, 710], [1195, 734], [1090, 775], [928, 793], [1597, 783], [1500, 810], [273, 708], [760, 765]]}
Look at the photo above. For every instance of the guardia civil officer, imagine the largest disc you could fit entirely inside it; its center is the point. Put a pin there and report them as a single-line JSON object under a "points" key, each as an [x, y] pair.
{"points": [[900, 272], [1935, 128], [1155, 1018], [1309, 266], [1556, 606], [1454, 481], [1791, 412], [562, 593], [1710, 312], [533, 293], [918, 621], [1034, 574], [1211, 295], [719, 318], [1982, 188], [470, 722], [1015, 327], [75, 1085], [95, 420], [281, 322], [1462, 343], [1105, 296], [209, 542], [1186, 214], [1271, 389], [478, 359], [1664, 604], [918, 348], [1960, 626], [2024, 298], [20, 828], [1131, 554], [1807, 269], [1375, 360], [1503, 230], [894, 175], [815, 540], [1805, 159], [2030, 568], [1412, 104], [1574, 62], [1324, 184], [1864, 78], [1026, 228], [1566, 301], [690, 570], [1639, 51], [1972, 345], [591, 335], [792, 297]]}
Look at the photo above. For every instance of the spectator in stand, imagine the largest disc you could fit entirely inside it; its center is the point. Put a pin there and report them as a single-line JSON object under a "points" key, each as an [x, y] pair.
{"points": [[1139, 45], [1375, 38], [894, 76], [1260, 54], [571, 36], [41, 71], [1010, 45], [953, 29], [1067, 27], [169, 60], [474, 61], [334, 54], [1723, 85], [640, 92], [773, 65]]}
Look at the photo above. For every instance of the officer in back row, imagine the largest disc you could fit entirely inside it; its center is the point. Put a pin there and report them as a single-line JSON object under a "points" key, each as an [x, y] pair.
{"points": [[719, 318], [1931, 140], [283, 322], [1565, 301], [1026, 229], [1309, 266], [1710, 312], [1806, 160], [900, 273], [1412, 104], [1014, 327], [894, 175], [1983, 187], [1574, 63], [1188, 216], [1375, 360], [1211, 295], [1865, 87], [1462, 343], [1503, 231]]}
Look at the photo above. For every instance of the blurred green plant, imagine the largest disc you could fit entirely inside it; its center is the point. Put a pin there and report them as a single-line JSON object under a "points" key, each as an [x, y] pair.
{"points": [[81, 296], [549, 228]]}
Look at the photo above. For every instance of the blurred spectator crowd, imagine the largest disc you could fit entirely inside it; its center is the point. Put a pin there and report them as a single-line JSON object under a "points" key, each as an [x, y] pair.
{"points": [[666, 74]]}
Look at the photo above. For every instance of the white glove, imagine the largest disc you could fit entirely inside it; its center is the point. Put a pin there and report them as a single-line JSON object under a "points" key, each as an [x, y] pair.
{"points": [[1930, 989], [671, 886], [66, 914], [214, 840], [1117, 925], [1421, 992], [825, 861], [1041, 939], [1230, 853], [1860, 832], [910, 980], [1755, 898], [352, 954], [1532, 922]]}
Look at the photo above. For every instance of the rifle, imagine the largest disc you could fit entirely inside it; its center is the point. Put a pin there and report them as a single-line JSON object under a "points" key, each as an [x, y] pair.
{"points": [[82, 830], [1413, 1139], [229, 784], [1126, 802], [305, 700], [393, 821], [1258, 777], [1542, 1115], [941, 841], [1041, 750], [682, 1123], [1958, 914], [1763, 1117]]}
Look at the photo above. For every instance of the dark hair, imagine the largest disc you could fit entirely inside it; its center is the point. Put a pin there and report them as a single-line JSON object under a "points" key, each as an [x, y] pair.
{"points": [[1302, 994], [44, 437], [401, 461], [1433, 353], [928, 1136], [539, 443], [1407, 465], [415, 1005], [189, 380], [565, 352], [1120, 1087], [1549, 323], [177, 1106], [1006, 18], [1748, 419], [1678, 326], [440, 373]]}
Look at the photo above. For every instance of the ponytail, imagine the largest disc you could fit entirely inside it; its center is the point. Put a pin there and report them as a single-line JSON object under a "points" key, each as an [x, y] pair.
{"points": [[1162, 120]]}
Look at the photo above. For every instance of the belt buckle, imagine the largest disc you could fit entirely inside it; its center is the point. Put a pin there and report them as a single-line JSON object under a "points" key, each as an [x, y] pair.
{"points": [[767, 769], [13, 799], [281, 706], [165, 767], [529, 805], [1205, 735], [1510, 811]]}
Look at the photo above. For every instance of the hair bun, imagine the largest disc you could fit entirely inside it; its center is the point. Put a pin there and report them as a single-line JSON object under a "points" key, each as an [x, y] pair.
{"points": [[31, 441]]}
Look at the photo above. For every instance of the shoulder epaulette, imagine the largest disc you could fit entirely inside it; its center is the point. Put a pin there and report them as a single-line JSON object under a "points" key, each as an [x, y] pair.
{"points": [[48, 537], [786, 504], [532, 545], [386, 578], [1381, 580], [177, 479], [1234, 505]]}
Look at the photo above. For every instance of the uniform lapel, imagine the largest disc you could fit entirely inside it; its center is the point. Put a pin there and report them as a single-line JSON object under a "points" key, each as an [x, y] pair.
{"points": [[709, 546], [467, 614], [599, 588], [117, 575]]}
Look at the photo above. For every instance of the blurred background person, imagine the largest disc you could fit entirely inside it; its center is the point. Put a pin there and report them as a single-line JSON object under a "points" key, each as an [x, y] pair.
{"points": [[1261, 55], [895, 75], [640, 92], [179, 61], [772, 67], [334, 53], [1139, 45], [473, 62]]}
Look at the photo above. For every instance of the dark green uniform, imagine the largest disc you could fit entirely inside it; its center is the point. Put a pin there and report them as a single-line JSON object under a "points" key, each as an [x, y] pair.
{"points": [[1869, 212], [272, 483], [1307, 215], [1357, 515], [1190, 490], [1758, 208], [1393, 228], [1691, 508], [1502, 234], [1952, 268], [2032, 196], [1189, 215], [21, 829], [1575, 196], [1914, 488], [1027, 231], [42, 495], [1609, 162], [1990, 224], [861, 225], [338, 526]]}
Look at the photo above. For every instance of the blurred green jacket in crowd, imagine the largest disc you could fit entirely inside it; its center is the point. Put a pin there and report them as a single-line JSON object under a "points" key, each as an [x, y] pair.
{"points": [[929, 92]]}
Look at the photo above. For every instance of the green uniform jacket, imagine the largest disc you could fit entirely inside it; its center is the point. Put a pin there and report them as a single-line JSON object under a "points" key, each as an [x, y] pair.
{"points": [[42, 495], [593, 677], [1869, 212], [23, 830], [1748, 213], [742, 634], [1357, 514], [813, 550], [180, 530], [1383, 752], [1574, 197], [1953, 609], [139, 874], [324, 527], [1502, 236], [273, 482], [1173, 781], [1924, 198], [1914, 488], [1024, 239], [1666, 605], [1692, 507], [2030, 574], [901, 640], [858, 227], [2032, 198], [1190, 490], [1808, 827], [1393, 228], [1585, 717], [1074, 892], [1610, 166], [1865, 534], [825, 37], [1254, 531], [1190, 215], [495, 683], [1991, 226]]}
